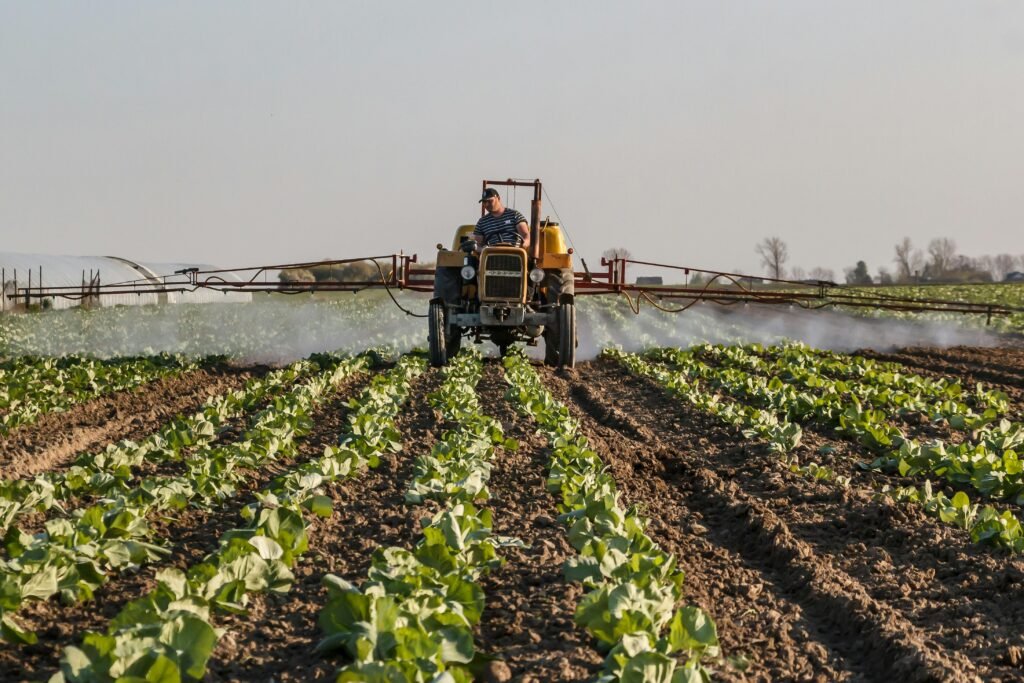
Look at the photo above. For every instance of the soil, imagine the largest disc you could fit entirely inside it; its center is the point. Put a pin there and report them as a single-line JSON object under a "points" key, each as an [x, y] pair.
{"points": [[55, 439], [805, 580]]}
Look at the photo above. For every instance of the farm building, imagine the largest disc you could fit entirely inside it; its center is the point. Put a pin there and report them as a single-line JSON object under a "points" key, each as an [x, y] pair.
{"points": [[649, 280], [18, 271]]}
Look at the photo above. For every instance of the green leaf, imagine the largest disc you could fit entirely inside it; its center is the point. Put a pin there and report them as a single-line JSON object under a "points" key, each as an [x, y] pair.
{"points": [[648, 667], [692, 630], [268, 548], [320, 506], [13, 633], [193, 638], [163, 670], [456, 644], [41, 585]]}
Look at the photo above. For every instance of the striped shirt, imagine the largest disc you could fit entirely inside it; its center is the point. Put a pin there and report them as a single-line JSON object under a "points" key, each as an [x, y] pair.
{"points": [[500, 229]]}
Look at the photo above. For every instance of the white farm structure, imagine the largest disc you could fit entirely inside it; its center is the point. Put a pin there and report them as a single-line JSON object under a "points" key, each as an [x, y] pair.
{"points": [[18, 271]]}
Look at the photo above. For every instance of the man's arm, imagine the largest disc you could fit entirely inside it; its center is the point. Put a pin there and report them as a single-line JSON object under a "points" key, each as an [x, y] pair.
{"points": [[524, 232]]}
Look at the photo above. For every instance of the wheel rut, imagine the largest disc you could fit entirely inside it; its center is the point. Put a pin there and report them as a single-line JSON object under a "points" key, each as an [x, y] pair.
{"points": [[528, 620]]}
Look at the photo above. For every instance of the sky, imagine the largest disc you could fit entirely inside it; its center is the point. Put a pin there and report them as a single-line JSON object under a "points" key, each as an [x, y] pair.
{"points": [[254, 133]]}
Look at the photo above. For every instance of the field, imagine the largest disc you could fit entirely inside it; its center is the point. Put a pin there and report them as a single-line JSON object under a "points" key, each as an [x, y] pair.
{"points": [[1006, 294], [201, 497]]}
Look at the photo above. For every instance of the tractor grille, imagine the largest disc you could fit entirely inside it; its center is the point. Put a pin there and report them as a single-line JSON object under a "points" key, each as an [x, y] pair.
{"points": [[503, 277], [504, 262]]}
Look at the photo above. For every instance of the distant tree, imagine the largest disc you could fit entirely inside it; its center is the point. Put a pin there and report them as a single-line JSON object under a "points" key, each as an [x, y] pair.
{"points": [[797, 273], [1002, 264], [942, 256], [884, 276], [908, 260], [357, 271], [987, 264], [858, 275], [773, 253], [296, 275], [825, 274], [966, 269], [616, 252]]}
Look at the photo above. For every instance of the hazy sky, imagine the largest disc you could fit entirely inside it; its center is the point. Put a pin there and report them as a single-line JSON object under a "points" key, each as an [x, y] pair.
{"points": [[246, 133]]}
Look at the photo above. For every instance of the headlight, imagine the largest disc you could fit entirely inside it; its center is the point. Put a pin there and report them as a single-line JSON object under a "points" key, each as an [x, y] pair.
{"points": [[537, 276], [468, 272]]}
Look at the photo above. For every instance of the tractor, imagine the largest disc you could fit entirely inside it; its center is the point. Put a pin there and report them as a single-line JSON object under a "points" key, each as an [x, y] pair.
{"points": [[505, 293]]}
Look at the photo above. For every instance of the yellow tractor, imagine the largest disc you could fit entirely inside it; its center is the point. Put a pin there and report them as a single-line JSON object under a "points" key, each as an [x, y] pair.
{"points": [[505, 293]]}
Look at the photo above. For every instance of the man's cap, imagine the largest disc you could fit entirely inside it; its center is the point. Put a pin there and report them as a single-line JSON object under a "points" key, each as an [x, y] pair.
{"points": [[488, 193]]}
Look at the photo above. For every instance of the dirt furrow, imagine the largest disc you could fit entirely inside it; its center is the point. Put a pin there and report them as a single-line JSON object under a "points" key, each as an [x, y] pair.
{"points": [[528, 620], [54, 440], [763, 631], [192, 535], [751, 507], [953, 591], [275, 641]]}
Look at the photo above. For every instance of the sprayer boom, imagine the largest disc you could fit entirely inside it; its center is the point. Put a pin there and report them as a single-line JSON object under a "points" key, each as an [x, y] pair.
{"points": [[402, 272]]}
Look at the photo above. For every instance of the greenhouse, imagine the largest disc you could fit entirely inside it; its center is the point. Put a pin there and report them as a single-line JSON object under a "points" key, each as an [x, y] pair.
{"points": [[86, 273]]}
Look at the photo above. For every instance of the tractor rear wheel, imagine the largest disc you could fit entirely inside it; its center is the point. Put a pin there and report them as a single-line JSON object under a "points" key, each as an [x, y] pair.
{"points": [[436, 334], [567, 335]]}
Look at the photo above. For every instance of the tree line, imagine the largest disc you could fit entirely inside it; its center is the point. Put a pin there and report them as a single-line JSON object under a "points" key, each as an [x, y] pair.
{"points": [[357, 271], [938, 262]]}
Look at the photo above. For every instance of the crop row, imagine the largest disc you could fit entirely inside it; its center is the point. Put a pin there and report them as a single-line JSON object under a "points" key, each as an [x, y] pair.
{"points": [[986, 461], [770, 421], [169, 633], [31, 386], [112, 471], [75, 555], [862, 383], [634, 584], [412, 618]]}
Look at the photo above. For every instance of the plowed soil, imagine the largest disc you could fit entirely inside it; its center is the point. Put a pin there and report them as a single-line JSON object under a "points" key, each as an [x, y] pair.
{"points": [[55, 439], [190, 535], [806, 581]]}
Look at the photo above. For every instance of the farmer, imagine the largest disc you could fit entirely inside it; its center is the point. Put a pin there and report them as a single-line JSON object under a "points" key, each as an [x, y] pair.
{"points": [[500, 225]]}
